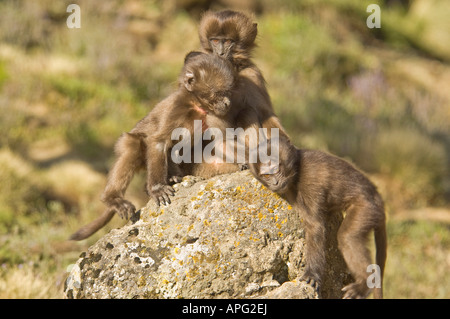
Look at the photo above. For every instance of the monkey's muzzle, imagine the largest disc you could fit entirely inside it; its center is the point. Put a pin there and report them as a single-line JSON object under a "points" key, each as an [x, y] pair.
{"points": [[222, 107]]}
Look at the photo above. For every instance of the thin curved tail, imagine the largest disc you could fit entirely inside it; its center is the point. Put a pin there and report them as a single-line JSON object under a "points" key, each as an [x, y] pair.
{"points": [[381, 253], [92, 227]]}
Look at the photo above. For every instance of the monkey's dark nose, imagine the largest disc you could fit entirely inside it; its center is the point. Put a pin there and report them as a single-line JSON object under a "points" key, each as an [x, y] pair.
{"points": [[226, 102]]}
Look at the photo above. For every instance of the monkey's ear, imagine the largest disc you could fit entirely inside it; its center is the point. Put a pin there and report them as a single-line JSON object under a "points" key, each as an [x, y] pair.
{"points": [[189, 81]]}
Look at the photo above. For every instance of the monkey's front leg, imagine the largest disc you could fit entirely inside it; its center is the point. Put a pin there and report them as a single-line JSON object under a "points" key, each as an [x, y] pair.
{"points": [[157, 185]]}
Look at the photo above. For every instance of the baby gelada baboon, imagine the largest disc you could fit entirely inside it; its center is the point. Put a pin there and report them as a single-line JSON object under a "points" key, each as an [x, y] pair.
{"points": [[315, 184], [204, 93], [231, 35]]}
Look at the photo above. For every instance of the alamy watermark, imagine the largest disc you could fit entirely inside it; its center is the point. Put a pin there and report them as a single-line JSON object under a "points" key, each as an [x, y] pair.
{"points": [[374, 279], [74, 19], [374, 19], [237, 146]]}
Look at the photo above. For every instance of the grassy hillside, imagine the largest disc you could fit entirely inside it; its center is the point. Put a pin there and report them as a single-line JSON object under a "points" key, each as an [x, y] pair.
{"points": [[377, 97]]}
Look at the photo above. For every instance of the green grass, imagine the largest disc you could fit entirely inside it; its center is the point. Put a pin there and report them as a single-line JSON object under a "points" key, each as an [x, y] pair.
{"points": [[375, 97], [417, 264]]}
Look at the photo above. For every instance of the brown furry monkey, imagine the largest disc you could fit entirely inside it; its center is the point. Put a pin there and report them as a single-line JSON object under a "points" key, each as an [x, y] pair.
{"points": [[316, 184], [204, 93], [231, 35]]}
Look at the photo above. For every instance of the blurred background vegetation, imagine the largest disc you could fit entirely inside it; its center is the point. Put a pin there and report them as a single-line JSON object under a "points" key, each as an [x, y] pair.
{"points": [[377, 97]]}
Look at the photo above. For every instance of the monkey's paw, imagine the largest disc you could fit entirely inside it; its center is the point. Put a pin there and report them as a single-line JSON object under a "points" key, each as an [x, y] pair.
{"points": [[311, 280], [243, 167], [355, 291], [160, 193], [175, 179], [123, 208]]}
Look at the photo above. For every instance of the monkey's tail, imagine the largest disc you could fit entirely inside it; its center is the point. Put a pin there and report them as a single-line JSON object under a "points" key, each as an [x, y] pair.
{"points": [[381, 248], [92, 227]]}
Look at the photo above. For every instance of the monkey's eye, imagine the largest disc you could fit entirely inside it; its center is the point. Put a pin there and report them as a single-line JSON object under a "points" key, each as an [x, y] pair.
{"points": [[214, 40], [228, 41], [265, 176]]}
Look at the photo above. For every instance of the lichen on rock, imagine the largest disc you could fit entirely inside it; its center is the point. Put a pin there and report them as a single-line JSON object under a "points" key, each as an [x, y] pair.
{"points": [[226, 237]]}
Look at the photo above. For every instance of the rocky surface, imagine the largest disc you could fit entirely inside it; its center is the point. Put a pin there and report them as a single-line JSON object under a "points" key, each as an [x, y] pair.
{"points": [[226, 237]]}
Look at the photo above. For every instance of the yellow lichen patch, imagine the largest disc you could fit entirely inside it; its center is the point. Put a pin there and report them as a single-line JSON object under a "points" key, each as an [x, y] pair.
{"points": [[141, 282], [206, 222], [278, 225], [153, 213], [177, 250], [198, 258], [261, 216], [236, 243], [209, 186], [289, 207], [280, 234]]}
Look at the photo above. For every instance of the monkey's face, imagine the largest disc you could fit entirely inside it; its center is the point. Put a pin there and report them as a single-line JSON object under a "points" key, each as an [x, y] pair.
{"points": [[274, 177], [278, 175], [228, 34], [217, 102], [211, 80], [222, 46], [213, 92]]}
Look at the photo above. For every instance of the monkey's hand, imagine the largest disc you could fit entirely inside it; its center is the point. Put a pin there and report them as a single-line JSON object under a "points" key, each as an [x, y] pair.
{"points": [[355, 291], [243, 167], [311, 280], [175, 179], [160, 193], [123, 208]]}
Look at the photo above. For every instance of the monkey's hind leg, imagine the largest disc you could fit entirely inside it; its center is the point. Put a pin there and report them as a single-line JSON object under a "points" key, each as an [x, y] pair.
{"points": [[315, 247], [130, 158], [352, 241]]}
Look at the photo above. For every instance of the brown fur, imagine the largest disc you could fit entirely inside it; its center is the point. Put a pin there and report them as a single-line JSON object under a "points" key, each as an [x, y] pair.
{"points": [[236, 34], [205, 90], [316, 184]]}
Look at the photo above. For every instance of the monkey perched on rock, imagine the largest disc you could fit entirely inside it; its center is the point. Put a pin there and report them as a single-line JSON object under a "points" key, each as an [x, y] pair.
{"points": [[316, 184], [205, 91], [231, 35]]}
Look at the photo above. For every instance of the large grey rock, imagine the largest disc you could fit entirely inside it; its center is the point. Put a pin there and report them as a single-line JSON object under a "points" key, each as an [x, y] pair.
{"points": [[226, 237]]}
